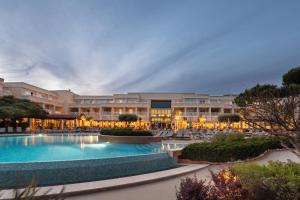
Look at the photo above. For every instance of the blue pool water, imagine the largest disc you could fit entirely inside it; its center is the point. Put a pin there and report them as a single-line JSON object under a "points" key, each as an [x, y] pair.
{"points": [[44, 148], [63, 159]]}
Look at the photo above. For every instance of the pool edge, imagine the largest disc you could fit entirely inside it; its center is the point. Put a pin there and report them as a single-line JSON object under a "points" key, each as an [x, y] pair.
{"points": [[111, 184]]}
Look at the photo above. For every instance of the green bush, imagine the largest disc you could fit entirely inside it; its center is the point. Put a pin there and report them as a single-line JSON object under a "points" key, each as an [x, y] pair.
{"points": [[286, 141], [125, 132], [228, 137], [224, 151], [229, 118], [273, 181], [128, 117]]}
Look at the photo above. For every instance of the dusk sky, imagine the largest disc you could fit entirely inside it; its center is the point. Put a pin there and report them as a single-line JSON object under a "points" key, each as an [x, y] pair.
{"points": [[106, 46]]}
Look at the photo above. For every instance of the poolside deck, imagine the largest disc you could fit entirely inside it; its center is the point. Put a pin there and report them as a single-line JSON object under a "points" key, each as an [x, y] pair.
{"points": [[165, 189]]}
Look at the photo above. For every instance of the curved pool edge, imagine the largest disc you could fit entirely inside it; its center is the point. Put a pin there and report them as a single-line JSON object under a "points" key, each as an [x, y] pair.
{"points": [[129, 139], [111, 184], [14, 175]]}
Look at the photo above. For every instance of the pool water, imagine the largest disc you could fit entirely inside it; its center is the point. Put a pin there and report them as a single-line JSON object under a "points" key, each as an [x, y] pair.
{"points": [[45, 148], [62, 159]]}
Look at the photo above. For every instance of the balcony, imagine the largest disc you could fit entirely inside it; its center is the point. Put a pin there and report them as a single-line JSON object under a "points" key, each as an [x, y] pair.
{"points": [[216, 113], [109, 117], [106, 113], [142, 113], [42, 100], [191, 114]]}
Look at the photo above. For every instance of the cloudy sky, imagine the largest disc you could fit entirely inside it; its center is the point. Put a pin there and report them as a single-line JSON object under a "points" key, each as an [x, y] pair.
{"points": [[107, 46]]}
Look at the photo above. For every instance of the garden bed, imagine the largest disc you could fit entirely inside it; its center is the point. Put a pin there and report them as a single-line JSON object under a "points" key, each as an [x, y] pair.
{"points": [[128, 136], [125, 132]]}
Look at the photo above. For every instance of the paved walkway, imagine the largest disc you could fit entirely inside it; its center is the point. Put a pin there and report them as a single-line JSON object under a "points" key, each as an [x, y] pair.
{"points": [[165, 190]]}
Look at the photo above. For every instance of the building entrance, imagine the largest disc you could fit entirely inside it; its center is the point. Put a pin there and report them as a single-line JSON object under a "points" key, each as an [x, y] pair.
{"points": [[161, 114]]}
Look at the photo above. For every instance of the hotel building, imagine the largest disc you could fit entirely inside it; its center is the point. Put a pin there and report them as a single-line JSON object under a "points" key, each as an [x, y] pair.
{"points": [[154, 110]]}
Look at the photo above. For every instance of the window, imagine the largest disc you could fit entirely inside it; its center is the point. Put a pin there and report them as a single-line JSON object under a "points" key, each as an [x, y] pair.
{"points": [[74, 110], [214, 101], [105, 109], [132, 100], [87, 101], [227, 110], [120, 100], [160, 103], [237, 110], [202, 101], [190, 100], [97, 101], [26, 93], [203, 110], [215, 110], [191, 110]]}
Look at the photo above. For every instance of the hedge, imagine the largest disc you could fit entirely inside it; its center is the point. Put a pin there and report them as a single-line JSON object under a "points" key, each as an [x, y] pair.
{"points": [[233, 137], [229, 150], [125, 132]]}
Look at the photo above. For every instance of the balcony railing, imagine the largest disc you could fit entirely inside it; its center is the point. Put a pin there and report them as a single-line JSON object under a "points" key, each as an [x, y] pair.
{"points": [[203, 113], [106, 113], [191, 114], [43, 100], [142, 113]]}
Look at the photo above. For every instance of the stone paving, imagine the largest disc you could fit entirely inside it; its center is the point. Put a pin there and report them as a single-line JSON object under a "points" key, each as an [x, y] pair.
{"points": [[165, 189]]}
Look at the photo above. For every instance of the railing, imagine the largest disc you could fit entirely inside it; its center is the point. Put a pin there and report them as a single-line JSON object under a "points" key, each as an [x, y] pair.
{"points": [[108, 103], [216, 113], [106, 113], [191, 114], [203, 113], [142, 113], [42, 100]]}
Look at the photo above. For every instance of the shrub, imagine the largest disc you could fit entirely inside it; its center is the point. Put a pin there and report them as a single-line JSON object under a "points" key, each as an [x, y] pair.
{"points": [[229, 150], [128, 117], [285, 141], [125, 132], [192, 188], [229, 118], [226, 186], [228, 137], [274, 181]]}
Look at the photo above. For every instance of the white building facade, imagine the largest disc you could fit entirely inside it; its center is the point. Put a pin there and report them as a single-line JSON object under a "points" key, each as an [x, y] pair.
{"points": [[162, 110]]}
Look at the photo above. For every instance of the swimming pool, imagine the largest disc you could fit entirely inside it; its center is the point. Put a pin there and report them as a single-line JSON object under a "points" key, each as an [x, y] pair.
{"points": [[45, 148], [61, 159]]}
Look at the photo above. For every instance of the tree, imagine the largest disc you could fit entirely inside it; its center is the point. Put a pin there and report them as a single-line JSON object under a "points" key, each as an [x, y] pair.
{"points": [[12, 109], [128, 118], [229, 118], [274, 109], [292, 77]]}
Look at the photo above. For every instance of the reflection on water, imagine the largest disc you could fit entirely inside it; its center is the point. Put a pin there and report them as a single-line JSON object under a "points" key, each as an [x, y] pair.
{"points": [[82, 140], [25, 141], [71, 147], [45, 139]]}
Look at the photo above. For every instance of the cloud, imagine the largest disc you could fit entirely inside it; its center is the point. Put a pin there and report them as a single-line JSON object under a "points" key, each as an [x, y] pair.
{"points": [[104, 47]]}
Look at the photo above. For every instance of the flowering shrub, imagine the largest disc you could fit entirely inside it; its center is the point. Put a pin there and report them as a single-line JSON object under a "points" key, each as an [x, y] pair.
{"points": [[226, 186], [246, 181]]}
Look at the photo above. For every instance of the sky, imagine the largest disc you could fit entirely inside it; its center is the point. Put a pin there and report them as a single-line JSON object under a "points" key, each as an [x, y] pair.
{"points": [[107, 46]]}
